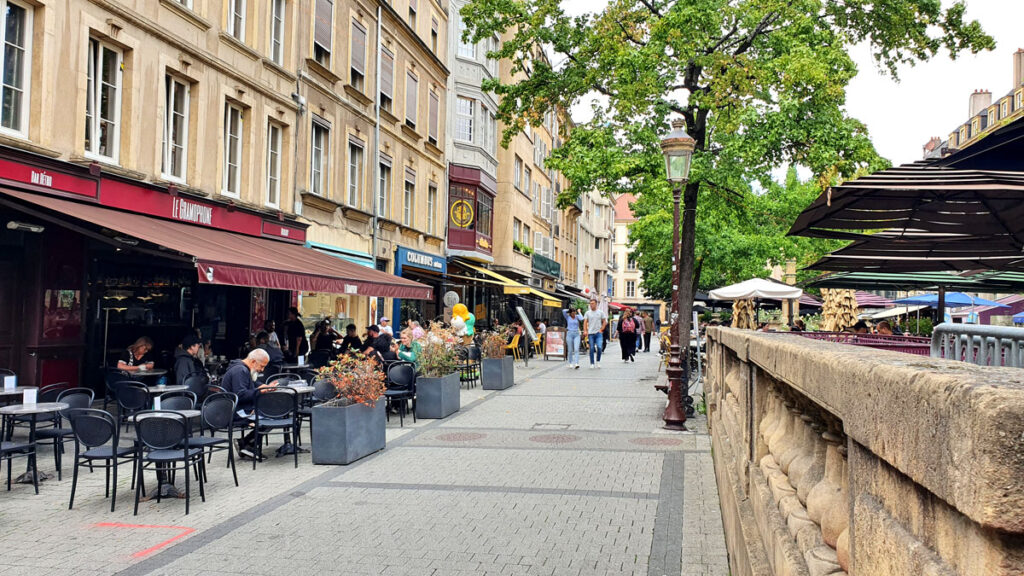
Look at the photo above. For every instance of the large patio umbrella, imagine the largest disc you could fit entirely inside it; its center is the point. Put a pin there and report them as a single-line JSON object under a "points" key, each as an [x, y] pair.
{"points": [[756, 288], [869, 300], [953, 300]]}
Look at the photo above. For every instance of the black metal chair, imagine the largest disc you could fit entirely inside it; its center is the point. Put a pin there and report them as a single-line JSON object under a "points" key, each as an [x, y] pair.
{"points": [[283, 378], [9, 450], [469, 370], [162, 442], [132, 397], [276, 412], [323, 390], [47, 393], [401, 388], [111, 377], [99, 433], [198, 384], [75, 398], [218, 415], [181, 400]]}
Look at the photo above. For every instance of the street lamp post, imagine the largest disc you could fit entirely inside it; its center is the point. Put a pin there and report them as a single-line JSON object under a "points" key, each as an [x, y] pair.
{"points": [[678, 150]]}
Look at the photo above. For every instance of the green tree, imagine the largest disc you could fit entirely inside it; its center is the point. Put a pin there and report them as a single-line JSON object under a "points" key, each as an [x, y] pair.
{"points": [[759, 83]]}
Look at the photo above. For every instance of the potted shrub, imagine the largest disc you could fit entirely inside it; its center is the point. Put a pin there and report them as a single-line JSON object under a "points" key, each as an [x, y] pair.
{"points": [[437, 385], [352, 425], [497, 372]]}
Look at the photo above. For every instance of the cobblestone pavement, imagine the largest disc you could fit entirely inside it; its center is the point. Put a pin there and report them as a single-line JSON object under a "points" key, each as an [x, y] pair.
{"points": [[567, 473]]}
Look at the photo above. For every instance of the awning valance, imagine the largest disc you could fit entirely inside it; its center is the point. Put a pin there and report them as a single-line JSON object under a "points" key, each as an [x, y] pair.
{"points": [[233, 259], [513, 287]]}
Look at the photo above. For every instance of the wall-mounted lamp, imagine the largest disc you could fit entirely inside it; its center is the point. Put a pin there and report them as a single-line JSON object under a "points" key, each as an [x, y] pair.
{"points": [[25, 227]]}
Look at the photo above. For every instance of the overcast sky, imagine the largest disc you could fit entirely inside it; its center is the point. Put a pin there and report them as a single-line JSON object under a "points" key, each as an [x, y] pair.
{"points": [[931, 98]]}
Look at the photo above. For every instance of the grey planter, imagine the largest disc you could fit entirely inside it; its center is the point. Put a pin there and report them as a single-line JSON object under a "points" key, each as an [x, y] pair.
{"points": [[437, 397], [497, 373], [344, 434]]}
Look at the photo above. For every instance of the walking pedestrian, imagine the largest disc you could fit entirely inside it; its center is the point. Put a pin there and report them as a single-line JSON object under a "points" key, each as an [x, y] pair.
{"points": [[648, 331], [572, 337], [627, 336], [640, 331], [595, 322]]}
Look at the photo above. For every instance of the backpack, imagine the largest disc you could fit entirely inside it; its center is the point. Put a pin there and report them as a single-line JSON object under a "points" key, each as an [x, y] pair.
{"points": [[628, 326]]}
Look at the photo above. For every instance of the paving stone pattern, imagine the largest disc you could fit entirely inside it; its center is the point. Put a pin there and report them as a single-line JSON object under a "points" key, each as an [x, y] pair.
{"points": [[567, 473]]}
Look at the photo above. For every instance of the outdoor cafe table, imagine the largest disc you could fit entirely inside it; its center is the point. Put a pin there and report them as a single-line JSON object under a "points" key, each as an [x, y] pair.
{"points": [[157, 390], [16, 391], [153, 373], [295, 367], [33, 411]]}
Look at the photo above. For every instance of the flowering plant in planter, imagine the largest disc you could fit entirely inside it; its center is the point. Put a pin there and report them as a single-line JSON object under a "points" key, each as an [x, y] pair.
{"points": [[438, 356], [495, 341], [357, 378]]}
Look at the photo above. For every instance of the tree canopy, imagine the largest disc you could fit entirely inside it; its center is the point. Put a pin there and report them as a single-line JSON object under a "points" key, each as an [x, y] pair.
{"points": [[761, 84]]}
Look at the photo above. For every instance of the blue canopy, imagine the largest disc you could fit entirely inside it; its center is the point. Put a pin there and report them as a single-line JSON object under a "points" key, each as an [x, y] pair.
{"points": [[953, 300], [1018, 318]]}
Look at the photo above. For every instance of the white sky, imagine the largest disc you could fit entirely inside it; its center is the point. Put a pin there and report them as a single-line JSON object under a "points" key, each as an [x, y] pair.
{"points": [[931, 98]]}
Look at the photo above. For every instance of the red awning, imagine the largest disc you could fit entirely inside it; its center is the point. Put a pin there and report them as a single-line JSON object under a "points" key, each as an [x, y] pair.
{"points": [[237, 259]]}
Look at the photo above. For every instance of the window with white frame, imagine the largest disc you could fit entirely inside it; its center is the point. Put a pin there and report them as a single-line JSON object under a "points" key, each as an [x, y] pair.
{"points": [[355, 172], [185, 3], [274, 141], [232, 181], [466, 49], [387, 78], [15, 67], [412, 14], [277, 8], [412, 98], [527, 236], [408, 197], [434, 34], [384, 188], [516, 226], [464, 108], [517, 176], [323, 32], [103, 100], [433, 117], [631, 263], [236, 19], [527, 179], [431, 209], [320, 140], [535, 197], [492, 129], [630, 288], [357, 72], [175, 144]]}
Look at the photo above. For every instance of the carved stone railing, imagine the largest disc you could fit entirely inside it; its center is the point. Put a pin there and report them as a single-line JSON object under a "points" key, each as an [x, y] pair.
{"points": [[834, 459]]}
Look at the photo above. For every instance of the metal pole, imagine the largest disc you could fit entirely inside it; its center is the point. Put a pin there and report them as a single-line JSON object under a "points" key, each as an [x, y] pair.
{"points": [[675, 414]]}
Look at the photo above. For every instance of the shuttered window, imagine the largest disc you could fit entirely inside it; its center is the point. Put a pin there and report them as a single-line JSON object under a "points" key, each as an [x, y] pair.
{"points": [[412, 86], [322, 31], [358, 55], [433, 112], [387, 78]]}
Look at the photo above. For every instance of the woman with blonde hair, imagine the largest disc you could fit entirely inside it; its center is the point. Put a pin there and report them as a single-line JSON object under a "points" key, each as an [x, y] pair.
{"points": [[407, 348], [133, 358]]}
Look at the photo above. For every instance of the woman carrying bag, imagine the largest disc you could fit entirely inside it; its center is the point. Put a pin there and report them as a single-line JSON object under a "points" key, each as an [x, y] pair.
{"points": [[627, 336]]}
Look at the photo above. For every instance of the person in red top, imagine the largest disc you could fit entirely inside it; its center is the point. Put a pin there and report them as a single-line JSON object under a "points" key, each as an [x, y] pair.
{"points": [[628, 330]]}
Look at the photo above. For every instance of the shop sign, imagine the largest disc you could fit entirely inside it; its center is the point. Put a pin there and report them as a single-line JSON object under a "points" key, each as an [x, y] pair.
{"points": [[58, 181], [422, 260]]}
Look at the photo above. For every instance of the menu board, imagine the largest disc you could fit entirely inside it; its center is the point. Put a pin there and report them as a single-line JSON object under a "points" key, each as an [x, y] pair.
{"points": [[554, 343]]}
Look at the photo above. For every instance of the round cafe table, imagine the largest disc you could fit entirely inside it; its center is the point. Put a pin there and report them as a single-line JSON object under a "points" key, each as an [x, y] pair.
{"points": [[33, 411], [153, 373], [16, 391], [155, 390]]}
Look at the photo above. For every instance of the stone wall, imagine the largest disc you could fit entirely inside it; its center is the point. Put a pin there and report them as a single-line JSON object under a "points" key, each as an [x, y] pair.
{"points": [[838, 459]]}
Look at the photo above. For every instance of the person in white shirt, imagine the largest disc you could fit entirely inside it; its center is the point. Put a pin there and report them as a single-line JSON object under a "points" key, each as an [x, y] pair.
{"points": [[385, 326], [594, 323]]}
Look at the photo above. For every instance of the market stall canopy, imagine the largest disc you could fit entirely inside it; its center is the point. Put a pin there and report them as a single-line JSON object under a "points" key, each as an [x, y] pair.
{"points": [[891, 312], [921, 197], [988, 281], [952, 300], [756, 288], [228, 258], [809, 301], [924, 253], [869, 300]]}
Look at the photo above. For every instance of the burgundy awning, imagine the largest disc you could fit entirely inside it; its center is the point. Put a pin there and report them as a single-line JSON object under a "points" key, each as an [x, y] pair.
{"points": [[236, 259]]}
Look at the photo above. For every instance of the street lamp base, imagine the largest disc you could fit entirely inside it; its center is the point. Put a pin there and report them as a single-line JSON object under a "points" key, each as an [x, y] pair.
{"points": [[676, 427]]}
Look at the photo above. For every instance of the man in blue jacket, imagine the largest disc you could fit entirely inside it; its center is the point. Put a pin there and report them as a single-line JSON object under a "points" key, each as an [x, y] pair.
{"points": [[240, 379]]}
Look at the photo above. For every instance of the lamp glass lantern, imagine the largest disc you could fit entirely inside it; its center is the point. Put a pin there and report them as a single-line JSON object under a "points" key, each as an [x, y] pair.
{"points": [[678, 150]]}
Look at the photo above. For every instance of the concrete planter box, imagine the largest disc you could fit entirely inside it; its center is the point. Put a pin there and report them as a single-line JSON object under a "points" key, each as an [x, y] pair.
{"points": [[437, 397], [344, 434], [497, 373]]}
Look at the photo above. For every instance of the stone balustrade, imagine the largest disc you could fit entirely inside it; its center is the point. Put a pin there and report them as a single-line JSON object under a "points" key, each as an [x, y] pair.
{"points": [[835, 459]]}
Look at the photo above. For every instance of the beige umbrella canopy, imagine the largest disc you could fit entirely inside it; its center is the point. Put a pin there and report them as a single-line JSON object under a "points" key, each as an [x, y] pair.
{"points": [[838, 310], [743, 315]]}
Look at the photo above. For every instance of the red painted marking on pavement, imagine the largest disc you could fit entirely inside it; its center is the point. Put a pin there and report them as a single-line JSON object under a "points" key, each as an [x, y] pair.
{"points": [[554, 438], [184, 532], [461, 436]]}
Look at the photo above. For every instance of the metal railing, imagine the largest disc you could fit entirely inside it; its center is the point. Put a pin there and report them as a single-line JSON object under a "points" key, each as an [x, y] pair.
{"points": [[981, 345]]}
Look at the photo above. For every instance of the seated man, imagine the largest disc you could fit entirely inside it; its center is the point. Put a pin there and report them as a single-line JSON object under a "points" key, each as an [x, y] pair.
{"points": [[378, 345], [884, 328], [263, 342], [351, 342], [186, 360], [240, 379]]}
